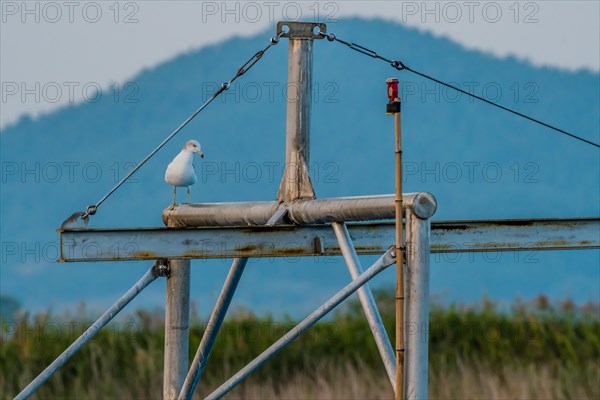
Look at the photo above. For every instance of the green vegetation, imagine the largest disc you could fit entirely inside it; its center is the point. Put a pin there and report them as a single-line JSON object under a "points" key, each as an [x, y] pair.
{"points": [[531, 351]]}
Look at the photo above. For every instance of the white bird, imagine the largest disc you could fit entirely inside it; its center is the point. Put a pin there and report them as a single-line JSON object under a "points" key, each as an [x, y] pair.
{"points": [[180, 172]]}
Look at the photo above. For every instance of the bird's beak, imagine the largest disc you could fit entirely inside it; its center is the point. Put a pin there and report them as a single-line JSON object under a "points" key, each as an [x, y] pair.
{"points": [[201, 154]]}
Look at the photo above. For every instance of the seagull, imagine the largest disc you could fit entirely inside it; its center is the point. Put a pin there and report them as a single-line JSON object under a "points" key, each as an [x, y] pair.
{"points": [[180, 172]]}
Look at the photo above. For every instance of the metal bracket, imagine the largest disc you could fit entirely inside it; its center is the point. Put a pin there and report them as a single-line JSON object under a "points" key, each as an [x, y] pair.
{"points": [[403, 251], [318, 245], [301, 30], [278, 216], [161, 268], [392, 250]]}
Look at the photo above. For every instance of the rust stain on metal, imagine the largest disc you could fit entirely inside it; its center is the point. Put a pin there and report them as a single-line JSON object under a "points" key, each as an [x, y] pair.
{"points": [[249, 247], [360, 249], [198, 254], [271, 229], [144, 255], [442, 247], [453, 227], [513, 222], [291, 251], [250, 250], [562, 243], [551, 243]]}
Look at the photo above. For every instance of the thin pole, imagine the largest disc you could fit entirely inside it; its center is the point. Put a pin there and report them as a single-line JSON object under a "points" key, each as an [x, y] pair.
{"points": [[382, 263], [104, 319], [399, 267], [367, 301], [399, 247], [214, 324], [177, 328]]}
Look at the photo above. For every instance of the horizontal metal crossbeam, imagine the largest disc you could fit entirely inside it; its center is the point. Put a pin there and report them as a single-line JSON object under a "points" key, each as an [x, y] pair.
{"points": [[314, 240], [300, 212]]}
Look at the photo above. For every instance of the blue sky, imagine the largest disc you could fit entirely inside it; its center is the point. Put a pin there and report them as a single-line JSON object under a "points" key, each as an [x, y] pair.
{"points": [[56, 53]]}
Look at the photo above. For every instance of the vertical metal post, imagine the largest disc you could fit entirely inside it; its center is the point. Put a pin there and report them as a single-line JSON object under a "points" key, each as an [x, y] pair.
{"points": [[296, 182], [177, 328], [393, 107], [417, 308]]}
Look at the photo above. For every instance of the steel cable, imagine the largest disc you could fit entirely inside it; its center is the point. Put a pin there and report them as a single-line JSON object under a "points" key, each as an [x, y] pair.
{"points": [[91, 210], [400, 66]]}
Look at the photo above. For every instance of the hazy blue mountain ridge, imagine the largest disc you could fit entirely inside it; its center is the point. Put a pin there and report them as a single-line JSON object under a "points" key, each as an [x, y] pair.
{"points": [[482, 163]]}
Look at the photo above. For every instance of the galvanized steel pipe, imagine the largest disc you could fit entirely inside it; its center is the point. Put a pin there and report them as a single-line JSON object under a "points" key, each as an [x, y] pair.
{"points": [[245, 213], [295, 183], [304, 212], [416, 323], [177, 328], [358, 208], [212, 329]]}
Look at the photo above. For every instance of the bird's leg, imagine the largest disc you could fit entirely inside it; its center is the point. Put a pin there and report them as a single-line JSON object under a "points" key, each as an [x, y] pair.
{"points": [[188, 195], [174, 198]]}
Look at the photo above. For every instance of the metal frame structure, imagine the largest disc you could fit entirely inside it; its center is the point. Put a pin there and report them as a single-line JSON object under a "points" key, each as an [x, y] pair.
{"points": [[297, 224]]}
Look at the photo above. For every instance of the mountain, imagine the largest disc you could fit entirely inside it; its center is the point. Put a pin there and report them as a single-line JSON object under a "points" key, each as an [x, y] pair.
{"points": [[478, 161]]}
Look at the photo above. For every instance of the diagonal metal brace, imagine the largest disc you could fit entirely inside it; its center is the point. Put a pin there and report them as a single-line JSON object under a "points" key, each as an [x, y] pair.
{"points": [[104, 319], [212, 329]]}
